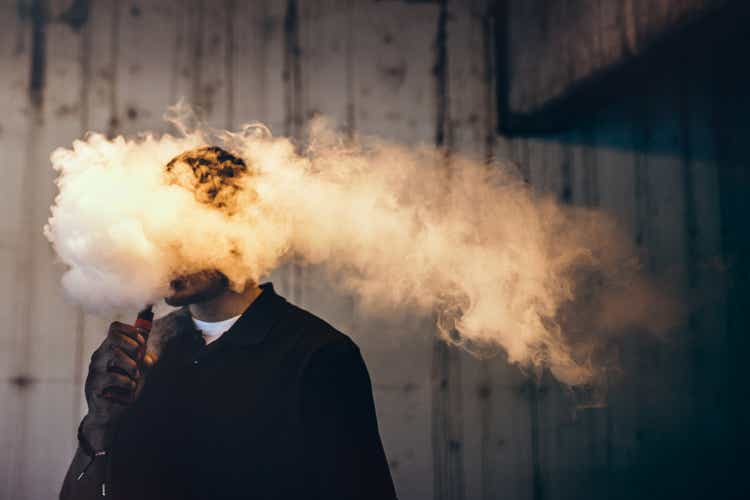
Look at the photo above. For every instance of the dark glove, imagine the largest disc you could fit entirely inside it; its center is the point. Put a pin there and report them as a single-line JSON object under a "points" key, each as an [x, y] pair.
{"points": [[113, 382]]}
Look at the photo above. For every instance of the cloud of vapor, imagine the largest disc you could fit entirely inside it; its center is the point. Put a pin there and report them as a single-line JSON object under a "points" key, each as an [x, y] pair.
{"points": [[502, 267]]}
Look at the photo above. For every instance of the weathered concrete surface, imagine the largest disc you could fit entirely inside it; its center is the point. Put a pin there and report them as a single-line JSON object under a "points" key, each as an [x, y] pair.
{"points": [[553, 51], [415, 72]]}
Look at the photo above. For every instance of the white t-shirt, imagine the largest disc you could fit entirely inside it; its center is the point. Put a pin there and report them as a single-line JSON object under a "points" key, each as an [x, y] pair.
{"points": [[212, 330]]}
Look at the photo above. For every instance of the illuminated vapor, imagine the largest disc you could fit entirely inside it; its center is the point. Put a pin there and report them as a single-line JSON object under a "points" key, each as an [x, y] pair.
{"points": [[503, 268]]}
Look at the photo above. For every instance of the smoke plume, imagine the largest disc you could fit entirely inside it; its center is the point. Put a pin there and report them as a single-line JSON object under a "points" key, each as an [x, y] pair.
{"points": [[501, 267]]}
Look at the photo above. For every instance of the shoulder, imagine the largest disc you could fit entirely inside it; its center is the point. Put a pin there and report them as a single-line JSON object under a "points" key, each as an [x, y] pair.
{"points": [[330, 354], [315, 334], [323, 344]]}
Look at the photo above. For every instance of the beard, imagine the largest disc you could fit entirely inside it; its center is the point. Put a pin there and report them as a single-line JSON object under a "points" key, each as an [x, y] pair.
{"points": [[196, 287]]}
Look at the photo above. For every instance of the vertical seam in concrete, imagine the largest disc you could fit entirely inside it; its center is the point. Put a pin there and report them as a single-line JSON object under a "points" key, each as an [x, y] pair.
{"points": [[566, 185], [83, 99], [642, 130], [196, 90], [690, 238], [440, 383], [455, 416], [447, 431], [536, 465], [292, 73], [286, 273], [229, 60], [25, 274], [439, 387], [440, 72], [486, 393], [590, 198], [609, 443], [179, 40], [486, 443], [114, 56], [691, 228], [490, 114], [351, 116], [292, 77], [641, 188], [264, 29], [502, 60], [590, 172], [38, 52]]}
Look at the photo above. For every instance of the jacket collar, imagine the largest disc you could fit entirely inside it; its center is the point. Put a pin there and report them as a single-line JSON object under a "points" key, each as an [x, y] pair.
{"points": [[253, 326], [258, 319]]}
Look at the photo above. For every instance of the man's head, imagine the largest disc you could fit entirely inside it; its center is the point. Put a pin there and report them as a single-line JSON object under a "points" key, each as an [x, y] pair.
{"points": [[213, 175]]}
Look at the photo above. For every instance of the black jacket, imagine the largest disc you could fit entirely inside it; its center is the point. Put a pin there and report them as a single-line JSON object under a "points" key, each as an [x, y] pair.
{"points": [[279, 407]]}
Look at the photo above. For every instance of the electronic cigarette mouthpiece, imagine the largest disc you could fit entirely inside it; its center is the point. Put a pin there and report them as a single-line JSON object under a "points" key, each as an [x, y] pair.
{"points": [[143, 324], [145, 320]]}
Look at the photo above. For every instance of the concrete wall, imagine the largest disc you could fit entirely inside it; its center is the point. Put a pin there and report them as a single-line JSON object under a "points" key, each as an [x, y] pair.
{"points": [[414, 72], [555, 48]]}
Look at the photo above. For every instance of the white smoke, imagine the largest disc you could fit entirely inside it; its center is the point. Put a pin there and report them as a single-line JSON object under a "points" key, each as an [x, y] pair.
{"points": [[398, 226]]}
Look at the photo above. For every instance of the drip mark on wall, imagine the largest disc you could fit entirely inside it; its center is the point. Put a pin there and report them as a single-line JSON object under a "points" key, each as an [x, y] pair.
{"points": [[439, 71], [536, 479], [351, 114], [38, 14], [485, 390], [196, 32], [114, 56], [447, 409], [292, 277], [229, 57]]}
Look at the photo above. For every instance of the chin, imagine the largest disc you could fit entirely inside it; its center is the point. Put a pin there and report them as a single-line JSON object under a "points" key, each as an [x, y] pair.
{"points": [[179, 301], [196, 288]]}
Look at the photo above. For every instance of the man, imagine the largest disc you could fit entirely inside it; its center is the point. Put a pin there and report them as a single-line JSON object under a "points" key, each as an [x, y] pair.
{"points": [[250, 397]]}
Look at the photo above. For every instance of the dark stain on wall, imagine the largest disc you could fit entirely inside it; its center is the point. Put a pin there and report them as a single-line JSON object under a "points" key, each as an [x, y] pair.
{"points": [[394, 75], [22, 381], [229, 58], [439, 70], [77, 15], [37, 14], [292, 73], [200, 98], [533, 389], [293, 278]]}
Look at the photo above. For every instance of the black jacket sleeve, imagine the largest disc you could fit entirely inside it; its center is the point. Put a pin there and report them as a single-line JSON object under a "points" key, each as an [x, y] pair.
{"points": [[342, 441], [86, 476]]}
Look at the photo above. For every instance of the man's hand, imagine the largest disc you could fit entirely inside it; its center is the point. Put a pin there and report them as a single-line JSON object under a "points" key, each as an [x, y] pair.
{"points": [[113, 382]]}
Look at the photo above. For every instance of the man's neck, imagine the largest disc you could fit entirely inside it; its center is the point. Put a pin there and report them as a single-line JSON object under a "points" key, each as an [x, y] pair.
{"points": [[225, 306]]}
